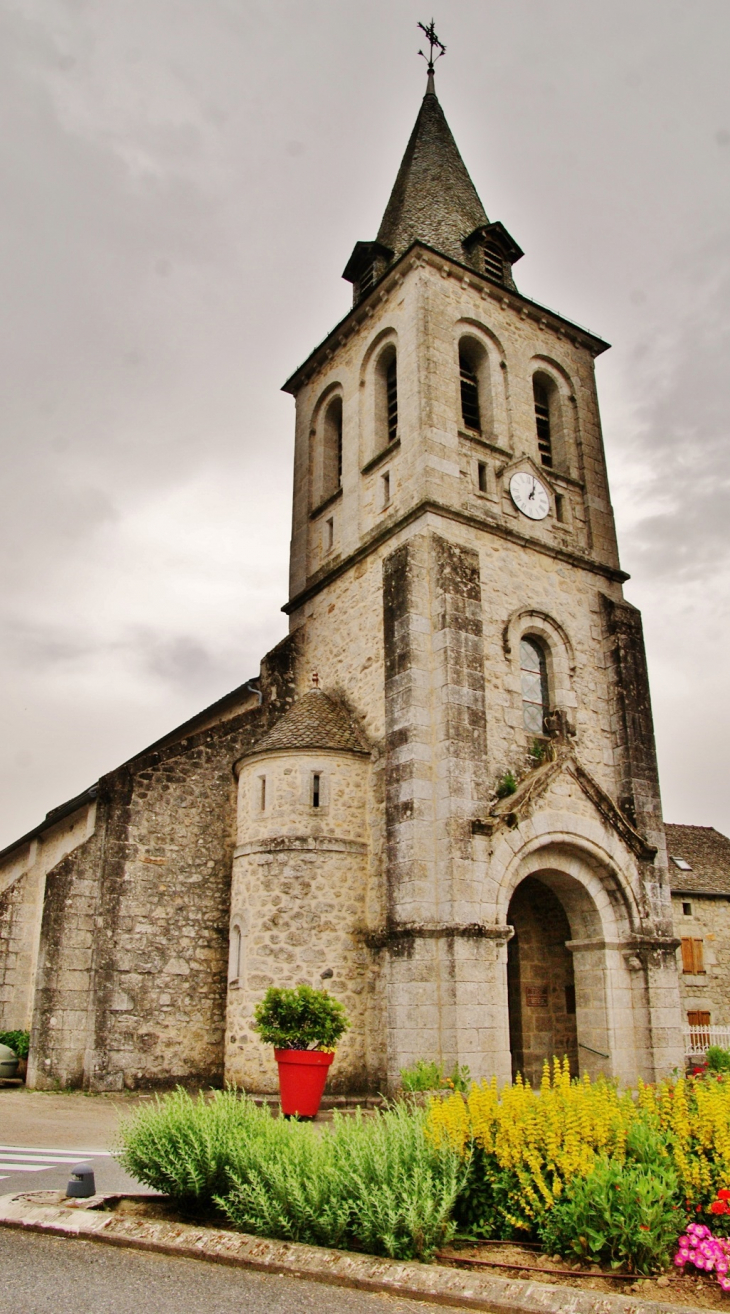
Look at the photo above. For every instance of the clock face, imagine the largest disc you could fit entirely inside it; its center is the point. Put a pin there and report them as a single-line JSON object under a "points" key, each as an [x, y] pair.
{"points": [[529, 495]]}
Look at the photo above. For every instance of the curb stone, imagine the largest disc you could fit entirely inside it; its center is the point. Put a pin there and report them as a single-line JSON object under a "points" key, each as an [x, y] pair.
{"points": [[425, 1282]]}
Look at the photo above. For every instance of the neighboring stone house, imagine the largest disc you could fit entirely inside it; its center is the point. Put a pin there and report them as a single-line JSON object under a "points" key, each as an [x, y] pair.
{"points": [[699, 877], [440, 796]]}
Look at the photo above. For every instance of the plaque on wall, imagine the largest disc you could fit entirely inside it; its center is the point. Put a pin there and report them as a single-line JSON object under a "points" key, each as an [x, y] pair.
{"points": [[536, 996]]}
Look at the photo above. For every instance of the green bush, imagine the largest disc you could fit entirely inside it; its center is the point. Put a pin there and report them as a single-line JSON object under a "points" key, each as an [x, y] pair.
{"points": [[429, 1075], [301, 1018], [623, 1213], [377, 1184], [718, 1060], [18, 1041], [183, 1147]]}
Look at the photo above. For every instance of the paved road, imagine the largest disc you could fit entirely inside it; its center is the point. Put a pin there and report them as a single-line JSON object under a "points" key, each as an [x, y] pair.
{"points": [[50, 1275], [43, 1135]]}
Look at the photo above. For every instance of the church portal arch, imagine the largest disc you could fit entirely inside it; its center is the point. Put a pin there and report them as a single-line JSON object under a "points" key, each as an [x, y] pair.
{"points": [[569, 986]]}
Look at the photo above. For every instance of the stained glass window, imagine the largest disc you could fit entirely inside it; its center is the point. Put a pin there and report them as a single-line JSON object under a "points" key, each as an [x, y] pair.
{"points": [[533, 673]]}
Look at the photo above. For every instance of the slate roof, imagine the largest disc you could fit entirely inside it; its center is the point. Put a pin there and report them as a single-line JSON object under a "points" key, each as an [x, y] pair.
{"points": [[315, 721], [708, 853], [434, 200]]}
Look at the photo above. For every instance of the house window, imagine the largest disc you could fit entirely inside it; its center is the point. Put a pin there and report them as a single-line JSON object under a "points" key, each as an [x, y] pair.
{"points": [[687, 909], [681, 863], [469, 394], [391, 386], [533, 674], [316, 789], [542, 422], [493, 262], [693, 957]]}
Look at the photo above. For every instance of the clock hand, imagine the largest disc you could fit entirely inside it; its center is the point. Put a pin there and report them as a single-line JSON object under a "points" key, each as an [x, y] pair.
{"points": [[532, 494]]}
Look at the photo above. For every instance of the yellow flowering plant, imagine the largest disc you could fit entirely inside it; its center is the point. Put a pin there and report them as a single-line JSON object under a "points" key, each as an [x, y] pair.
{"points": [[526, 1146]]}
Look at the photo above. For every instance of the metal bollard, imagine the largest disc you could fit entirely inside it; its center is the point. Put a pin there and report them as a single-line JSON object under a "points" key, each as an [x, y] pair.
{"points": [[81, 1183]]}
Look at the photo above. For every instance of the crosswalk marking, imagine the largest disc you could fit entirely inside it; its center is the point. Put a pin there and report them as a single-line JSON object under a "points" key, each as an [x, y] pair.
{"points": [[34, 1159]]}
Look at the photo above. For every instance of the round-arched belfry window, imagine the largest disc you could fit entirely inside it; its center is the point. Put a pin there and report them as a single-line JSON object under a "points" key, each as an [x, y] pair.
{"points": [[533, 673]]}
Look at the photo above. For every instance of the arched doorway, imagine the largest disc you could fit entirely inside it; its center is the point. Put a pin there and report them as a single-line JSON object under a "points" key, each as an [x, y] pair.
{"points": [[540, 981]]}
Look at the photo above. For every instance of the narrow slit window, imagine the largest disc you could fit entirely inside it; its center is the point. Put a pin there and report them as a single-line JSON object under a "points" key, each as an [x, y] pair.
{"points": [[386, 489], [235, 965], [338, 448], [560, 508], [481, 476], [330, 533], [316, 789], [542, 423], [391, 390], [262, 793], [493, 262], [533, 675], [469, 394]]}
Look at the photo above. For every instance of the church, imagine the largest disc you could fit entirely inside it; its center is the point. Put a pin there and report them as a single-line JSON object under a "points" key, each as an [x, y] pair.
{"points": [[439, 798]]}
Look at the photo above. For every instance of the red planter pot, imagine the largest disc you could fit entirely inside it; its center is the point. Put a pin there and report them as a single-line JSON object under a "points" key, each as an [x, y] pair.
{"points": [[302, 1077]]}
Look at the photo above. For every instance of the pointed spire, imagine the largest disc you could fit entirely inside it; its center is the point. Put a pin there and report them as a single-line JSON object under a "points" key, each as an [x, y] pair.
{"points": [[434, 200]]}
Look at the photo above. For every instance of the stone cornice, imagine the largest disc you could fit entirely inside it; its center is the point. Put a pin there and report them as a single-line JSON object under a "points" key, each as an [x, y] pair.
{"points": [[327, 574], [417, 254], [399, 933]]}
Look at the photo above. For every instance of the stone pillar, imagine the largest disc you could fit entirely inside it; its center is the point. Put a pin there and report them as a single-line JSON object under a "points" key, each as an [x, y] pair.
{"points": [[445, 970]]}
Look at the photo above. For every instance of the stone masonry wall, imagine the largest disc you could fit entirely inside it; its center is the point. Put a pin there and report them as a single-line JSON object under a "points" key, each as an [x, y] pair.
{"points": [[132, 970], [709, 921], [302, 900]]}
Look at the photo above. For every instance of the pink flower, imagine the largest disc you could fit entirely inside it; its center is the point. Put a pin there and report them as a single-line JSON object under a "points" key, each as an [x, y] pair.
{"points": [[724, 1282], [680, 1259]]}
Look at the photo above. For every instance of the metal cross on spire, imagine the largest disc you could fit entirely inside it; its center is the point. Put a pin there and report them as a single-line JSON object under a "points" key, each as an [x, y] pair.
{"points": [[434, 44]]}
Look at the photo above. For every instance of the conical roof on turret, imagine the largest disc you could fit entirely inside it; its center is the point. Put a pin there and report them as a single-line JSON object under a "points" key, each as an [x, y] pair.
{"points": [[434, 200], [315, 721]]}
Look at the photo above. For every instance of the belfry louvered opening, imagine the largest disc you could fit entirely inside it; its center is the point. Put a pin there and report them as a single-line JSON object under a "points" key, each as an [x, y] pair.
{"points": [[493, 262], [542, 422], [391, 389], [469, 382]]}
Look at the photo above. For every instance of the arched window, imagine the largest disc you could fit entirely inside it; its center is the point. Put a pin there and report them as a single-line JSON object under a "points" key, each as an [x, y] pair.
{"points": [[470, 413], [234, 964], [542, 389], [332, 448], [386, 397], [475, 386], [533, 675], [391, 385]]}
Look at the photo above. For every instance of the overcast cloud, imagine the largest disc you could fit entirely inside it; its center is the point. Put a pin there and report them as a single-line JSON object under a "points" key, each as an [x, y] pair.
{"points": [[181, 185]]}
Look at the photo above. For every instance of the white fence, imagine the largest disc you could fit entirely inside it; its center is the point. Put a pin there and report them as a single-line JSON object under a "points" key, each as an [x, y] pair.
{"points": [[697, 1040]]}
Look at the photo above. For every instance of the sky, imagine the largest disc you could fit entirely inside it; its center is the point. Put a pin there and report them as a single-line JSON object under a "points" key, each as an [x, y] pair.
{"points": [[181, 185]]}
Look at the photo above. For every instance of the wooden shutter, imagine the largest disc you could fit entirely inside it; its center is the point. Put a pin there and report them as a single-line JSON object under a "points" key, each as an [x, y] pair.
{"points": [[693, 956], [698, 1019]]}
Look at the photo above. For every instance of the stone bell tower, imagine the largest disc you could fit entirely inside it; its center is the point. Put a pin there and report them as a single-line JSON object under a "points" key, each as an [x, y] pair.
{"points": [[455, 582]]}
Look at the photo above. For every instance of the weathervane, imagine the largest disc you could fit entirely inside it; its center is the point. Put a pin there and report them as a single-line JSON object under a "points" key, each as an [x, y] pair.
{"points": [[434, 44]]}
